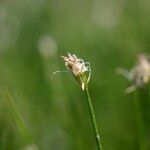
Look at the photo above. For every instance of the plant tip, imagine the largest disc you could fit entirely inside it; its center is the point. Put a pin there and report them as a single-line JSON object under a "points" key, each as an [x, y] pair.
{"points": [[81, 70]]}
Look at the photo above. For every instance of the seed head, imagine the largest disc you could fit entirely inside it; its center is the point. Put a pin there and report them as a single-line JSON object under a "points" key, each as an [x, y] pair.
{"points": [[80, 69], [139, 75]]}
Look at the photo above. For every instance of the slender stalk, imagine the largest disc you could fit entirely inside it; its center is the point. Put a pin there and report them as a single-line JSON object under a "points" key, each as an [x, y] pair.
{"points": [[148, 91], [93, 118], [139, 123], [17, 117]]}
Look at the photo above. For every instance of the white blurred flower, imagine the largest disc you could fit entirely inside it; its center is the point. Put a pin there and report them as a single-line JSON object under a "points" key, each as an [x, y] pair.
{"points": [[47, 46], [9, 28], [30, 147], [139, 75], [80, 69], [106, 14]]}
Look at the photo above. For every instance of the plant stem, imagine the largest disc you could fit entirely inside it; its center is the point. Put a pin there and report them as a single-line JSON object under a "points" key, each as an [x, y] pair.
{"points": [[140, 123], [93, 118], [17, 117]]}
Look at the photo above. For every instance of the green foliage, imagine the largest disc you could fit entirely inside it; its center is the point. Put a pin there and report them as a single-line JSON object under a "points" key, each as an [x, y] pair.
{"points": [[108, 34]]}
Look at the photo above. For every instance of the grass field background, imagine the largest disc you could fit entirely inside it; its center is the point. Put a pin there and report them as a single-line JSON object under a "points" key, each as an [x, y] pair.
{"points": [[52, 114]]}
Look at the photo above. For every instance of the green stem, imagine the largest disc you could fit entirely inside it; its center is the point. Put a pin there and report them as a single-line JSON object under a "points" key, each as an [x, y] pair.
{"points": [[139, 123], [93, 118], [17, 117]]}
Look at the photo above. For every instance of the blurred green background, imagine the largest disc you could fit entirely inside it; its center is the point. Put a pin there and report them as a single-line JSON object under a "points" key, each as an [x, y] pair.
{"points": [[33, 35]]}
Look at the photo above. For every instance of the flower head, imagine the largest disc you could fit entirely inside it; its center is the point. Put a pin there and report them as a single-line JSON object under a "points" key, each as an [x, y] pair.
{"points": [[80, 69], [138, 75]]}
